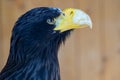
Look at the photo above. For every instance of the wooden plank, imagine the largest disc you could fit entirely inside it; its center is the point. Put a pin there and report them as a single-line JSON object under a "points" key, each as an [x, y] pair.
{"points": [[9, 13], [7, 24], [1, 60], [88, 44], [112, 28], [3, 55]]}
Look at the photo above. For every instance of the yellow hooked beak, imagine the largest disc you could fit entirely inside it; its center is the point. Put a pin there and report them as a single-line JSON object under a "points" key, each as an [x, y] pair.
{"points": [[71, 19]]}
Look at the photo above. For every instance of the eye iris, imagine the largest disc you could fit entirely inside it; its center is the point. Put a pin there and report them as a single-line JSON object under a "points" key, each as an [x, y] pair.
{"points": [[50, 21]]}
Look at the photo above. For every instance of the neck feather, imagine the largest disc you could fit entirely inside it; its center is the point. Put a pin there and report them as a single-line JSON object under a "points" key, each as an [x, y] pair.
{"points": [[32, 57]]}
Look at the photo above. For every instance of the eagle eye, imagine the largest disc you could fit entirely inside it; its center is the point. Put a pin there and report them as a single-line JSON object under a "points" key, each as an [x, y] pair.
{"points": [[51, 21]]}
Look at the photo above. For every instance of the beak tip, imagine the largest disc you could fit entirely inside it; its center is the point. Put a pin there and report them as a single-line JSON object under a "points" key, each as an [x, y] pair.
{"points": [[91, 26], [82, 18]]}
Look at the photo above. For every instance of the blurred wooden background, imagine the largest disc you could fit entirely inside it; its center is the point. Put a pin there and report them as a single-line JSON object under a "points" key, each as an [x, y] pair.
{"points": [[88, 54]]}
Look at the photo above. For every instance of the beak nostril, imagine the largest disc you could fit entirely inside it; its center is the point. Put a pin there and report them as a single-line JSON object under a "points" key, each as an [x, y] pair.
{"points": [[71, 12]]}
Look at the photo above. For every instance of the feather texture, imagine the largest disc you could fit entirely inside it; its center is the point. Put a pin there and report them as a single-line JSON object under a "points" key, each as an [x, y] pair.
{"points": [[34, 47]]}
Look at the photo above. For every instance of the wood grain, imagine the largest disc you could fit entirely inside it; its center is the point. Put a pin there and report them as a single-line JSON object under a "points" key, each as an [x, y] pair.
{"points": [[88, 54]]}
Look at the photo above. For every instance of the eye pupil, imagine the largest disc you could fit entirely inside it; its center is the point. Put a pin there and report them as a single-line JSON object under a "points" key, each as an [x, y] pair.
{"points": [[50, 21], [63, 14]]}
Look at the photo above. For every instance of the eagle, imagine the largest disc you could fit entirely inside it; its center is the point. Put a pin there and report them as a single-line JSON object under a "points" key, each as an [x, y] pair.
{"points": [[35, 41]]}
